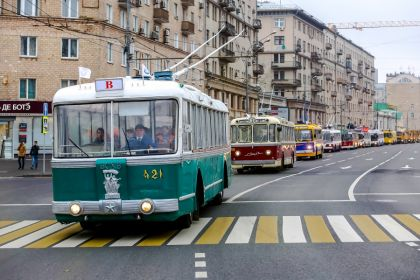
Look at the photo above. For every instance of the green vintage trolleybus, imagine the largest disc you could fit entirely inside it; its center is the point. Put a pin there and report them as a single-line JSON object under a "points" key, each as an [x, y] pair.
{"points": [[130, 149]]}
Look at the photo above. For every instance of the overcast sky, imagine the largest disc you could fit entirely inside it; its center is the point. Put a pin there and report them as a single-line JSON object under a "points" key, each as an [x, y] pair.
{"points": [[395, 49]]}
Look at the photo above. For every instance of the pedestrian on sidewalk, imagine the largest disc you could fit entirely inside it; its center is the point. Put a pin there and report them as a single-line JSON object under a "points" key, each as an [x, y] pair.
{"points": [[21, 155], [34, 155]]}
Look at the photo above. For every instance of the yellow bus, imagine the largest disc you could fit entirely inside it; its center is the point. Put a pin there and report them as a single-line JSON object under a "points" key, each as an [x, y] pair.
{"points": [[390, 137], [309, 143]]}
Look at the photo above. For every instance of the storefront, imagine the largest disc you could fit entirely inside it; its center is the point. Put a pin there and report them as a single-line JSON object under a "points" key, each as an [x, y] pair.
{"points": [[20, 121]]}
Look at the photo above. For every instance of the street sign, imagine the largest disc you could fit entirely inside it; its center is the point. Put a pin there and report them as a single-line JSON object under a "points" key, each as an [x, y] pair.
{"points": [[44, 127], [45, 109]]}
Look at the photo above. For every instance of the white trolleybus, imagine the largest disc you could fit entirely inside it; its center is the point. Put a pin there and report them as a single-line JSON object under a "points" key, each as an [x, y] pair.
{"points": [[127, 149], [262, 142], [332, 140]]}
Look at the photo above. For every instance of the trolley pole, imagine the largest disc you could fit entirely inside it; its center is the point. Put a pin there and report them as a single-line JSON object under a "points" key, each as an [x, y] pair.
{"points": [[128, 37]]}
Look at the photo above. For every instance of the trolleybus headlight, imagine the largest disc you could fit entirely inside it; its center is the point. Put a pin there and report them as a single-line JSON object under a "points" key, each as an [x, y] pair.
{"points": [[75, 209], [237, 153], [146, 206], [309, 147], [268, 152]]}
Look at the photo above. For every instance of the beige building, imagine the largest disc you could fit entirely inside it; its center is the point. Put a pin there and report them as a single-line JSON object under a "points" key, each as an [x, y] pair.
{"points": [[403, 92], [325, 78], [42, 46]]}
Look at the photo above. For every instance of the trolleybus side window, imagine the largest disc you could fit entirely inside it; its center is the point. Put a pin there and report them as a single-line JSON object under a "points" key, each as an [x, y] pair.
{"points": [[186, 120], [272, 133]]}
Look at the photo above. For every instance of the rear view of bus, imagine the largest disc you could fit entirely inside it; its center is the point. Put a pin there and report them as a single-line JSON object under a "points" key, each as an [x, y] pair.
{"points": [[262, 142], [309, 143]]}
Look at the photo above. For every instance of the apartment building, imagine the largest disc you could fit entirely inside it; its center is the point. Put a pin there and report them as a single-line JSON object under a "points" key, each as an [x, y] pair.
{"points": [[42, 46], [326, 78], [403, 92]]}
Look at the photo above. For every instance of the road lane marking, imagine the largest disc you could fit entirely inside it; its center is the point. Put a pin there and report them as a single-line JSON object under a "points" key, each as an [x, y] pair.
{"points": [[343, 160], [27, 239], [412, 244], [417, 216], [157, 239], [293, 230], [201, 274], [343, 229], [75, 240], [387, 194], [330, 163], [25, 230], [200, 264], [290, 201], [216, 231], [199, 255], [97, 242], [411, 158], [326, 159], [56, 237], [394, 228], [353, 185], [6, 223], [372, 232], [406, 167], [346, 167], [188, 235], [267, 230], [17, 226], [24, 204], [267, 183], [242, 230], [318, 230], [386, 200], [369, 159], [127, 241]]}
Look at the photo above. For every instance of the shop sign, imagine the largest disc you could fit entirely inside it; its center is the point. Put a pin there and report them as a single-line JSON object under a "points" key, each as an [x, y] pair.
{"points": [[23, 107]]}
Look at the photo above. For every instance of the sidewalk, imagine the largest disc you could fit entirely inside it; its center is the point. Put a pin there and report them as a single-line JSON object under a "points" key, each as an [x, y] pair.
{"points": [[9, 167]]}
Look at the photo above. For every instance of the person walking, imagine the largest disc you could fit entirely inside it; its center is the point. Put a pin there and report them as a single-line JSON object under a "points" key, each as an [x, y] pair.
{"points": [[34, 154], [21, 155]]}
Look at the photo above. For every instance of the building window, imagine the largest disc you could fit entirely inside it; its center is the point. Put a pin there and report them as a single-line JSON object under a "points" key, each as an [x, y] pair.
{"points": [[176, 40], [70, 8], [207, 36], [27, 46], [279, 22], [137, 57], [123, 57], [279, 58], [146, 58], [69, 48], [109, 53], [192, 46], [109, 13], [200, 23], [278, 40], [123, 19], [27, 88], [67, 83], [184, 43], [176, 11], [136, 24], [146, 2], [207, 8], [146, 28], [278, 75], [29, 7]]}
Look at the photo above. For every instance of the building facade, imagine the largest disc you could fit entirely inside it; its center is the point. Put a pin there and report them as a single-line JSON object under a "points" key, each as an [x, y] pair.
{"points": [[43, 45], [325, 78], [403, 92]]}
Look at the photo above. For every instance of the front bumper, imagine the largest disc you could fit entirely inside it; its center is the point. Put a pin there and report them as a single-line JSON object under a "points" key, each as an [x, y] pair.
{"points": [[114, 206], [305, 153], [237, 164]]}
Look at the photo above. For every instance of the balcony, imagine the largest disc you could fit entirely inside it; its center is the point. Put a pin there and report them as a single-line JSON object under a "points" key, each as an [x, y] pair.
{"points": [[316, 87], [342, 81], [257, 47], [315, 56], [333, 93], [328, 46], [286, 65], [316, 72], [373, 70], [348, 69], [328, 76], [340, 52], [360, 101], [134, 3], [160, 15], [223, 3], [348, 56], [186, 3], [227, 55], [298, 48], [258, 69], [287, 83], [228, 30], [256, 24], [369, 103], [360, 75], [357, 87], [367, 66], [348, 97], [187, 27]]}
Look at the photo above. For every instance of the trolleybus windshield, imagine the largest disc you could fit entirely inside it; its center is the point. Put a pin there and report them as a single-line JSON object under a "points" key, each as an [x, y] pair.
{"points": [[303, 135]]}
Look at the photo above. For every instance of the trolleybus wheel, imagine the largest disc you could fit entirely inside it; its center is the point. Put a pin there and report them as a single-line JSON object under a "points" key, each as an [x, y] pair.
{"points": [[218, 199], [291, 164], [199, 199], [185, 221], [240, 171], [87, 225]]}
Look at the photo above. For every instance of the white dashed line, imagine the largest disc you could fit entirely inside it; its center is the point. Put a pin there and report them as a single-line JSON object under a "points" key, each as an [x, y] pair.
{"points": [[412, 244], [201, 264]]}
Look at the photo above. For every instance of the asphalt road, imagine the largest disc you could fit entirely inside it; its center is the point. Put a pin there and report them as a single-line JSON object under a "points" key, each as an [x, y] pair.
{"points": [[351, 215]]}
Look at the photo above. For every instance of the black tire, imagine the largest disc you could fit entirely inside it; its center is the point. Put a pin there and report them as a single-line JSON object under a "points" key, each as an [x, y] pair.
{"points": [[218, 199], [87, 225], [240, 171], [198, 199], [185, 221]]}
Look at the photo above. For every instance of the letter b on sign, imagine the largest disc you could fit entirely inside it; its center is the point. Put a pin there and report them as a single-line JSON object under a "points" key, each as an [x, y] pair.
{"points": [[108, 85]]}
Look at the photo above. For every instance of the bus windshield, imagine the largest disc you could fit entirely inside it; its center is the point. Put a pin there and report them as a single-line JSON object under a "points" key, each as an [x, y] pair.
{"points": [[130, 129], [327, 136], [347, 137], [303, 135], [388, 134], [374, 137], [260, 133]]}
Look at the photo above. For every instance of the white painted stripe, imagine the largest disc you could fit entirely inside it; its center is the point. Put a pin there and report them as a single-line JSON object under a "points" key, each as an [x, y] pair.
{"points": [[412, 244], [201, 274], [241, 232], [27, 239], [127, 241], [267, 183], [199, 255], [17, 226], [387, 194], [343, 229], [186, 196], [200, 264], [330, 164], [417, 216], [25, 204], [394, 228], [75, 240], [292, 230], [288, 201], [343, 160], [326, 159], [187, 236], [350, 193]]}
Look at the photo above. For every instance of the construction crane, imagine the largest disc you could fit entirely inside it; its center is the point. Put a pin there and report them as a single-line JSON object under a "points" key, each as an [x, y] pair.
{"points": [[371, 24]]}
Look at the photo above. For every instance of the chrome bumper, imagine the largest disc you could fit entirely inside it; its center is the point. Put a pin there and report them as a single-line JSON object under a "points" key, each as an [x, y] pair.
{"points": [[114, 206]]}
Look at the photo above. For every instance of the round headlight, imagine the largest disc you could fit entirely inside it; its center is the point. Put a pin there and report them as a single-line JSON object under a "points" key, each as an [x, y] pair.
{"points": [[268, 152], [237, 153], [146, 207], [75, 209], [309, 147]]}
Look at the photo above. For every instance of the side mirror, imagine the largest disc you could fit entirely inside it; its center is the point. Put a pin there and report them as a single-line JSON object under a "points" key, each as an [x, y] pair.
{"points": [[279, 128]]}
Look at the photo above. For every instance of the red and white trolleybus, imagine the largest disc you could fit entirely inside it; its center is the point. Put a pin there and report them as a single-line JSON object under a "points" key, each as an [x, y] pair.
{"points": [[262, 142]]}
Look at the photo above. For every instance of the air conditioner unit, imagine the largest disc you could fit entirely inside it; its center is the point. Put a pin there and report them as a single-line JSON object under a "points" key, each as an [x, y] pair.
{"points": [[154, 35], [165, 40], [157, 28], [281, 28], [166, 32]]}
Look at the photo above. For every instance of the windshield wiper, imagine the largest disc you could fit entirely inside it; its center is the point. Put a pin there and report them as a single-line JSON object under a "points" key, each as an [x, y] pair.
{"points": [[126, 140], [77, 146]]}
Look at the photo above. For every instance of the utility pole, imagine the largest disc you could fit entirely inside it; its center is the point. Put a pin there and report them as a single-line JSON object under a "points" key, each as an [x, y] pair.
{"points": [[128, 38], [246, 87]]}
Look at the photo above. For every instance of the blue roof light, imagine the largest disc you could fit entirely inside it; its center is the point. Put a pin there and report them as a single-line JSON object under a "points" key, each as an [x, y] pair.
{"points": [[163, 76]]}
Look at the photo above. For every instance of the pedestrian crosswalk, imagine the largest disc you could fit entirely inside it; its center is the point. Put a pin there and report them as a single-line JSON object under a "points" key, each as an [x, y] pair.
{"points": [[313, 229]]}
